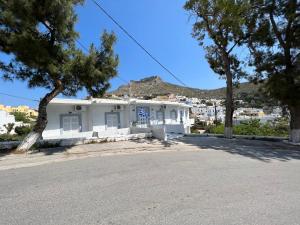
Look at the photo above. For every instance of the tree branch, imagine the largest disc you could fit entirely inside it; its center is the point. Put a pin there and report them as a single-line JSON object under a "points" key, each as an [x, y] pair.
{"points": [[275, 28]]}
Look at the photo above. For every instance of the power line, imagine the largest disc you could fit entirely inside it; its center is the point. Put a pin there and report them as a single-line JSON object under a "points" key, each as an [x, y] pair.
{"points": [[122, 79], [82, 45], [137, 42], [20, 97]]}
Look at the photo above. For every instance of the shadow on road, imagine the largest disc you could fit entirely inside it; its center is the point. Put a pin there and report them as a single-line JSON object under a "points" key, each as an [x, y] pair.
{"points": [[154, 141], [255, 149]]}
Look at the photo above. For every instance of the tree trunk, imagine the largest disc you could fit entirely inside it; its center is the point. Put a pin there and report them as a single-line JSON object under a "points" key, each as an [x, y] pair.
{"points": [[41, 122], [229, 99], [229, 109], [295, 124]]}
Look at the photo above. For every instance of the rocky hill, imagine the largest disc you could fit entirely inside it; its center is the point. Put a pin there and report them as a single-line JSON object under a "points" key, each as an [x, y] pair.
{"points": [[154, 86]]}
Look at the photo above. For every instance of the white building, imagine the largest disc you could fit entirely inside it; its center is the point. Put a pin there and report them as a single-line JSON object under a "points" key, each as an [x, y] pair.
{"points": [[72, 118], [5, 118], [207, 113]]}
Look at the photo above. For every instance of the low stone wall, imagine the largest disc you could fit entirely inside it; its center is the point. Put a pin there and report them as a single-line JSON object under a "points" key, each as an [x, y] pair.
{"points": [[137, 130], [109, 133], [76, 141], [86, 134], [175, 128], [159, 132]]}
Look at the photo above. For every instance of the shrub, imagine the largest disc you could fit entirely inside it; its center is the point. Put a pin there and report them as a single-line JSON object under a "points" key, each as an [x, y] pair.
{"points": [[22, 130], [199, 125], [219, 129], [9, 137], [9, 127], [254, 127], [20, 116]]}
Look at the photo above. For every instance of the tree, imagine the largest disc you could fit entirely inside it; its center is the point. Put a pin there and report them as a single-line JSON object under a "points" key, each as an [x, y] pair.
{"points": [[9, 127], [274, 41], [40, 37], [21, 116], [209, 103], [221, 21]]}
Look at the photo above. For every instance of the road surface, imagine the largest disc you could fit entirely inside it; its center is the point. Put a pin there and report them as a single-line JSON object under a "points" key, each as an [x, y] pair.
{"points": [[218, 182]]}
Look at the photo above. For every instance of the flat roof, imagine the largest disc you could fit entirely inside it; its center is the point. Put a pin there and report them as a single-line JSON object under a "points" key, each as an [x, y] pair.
{"points": [[69, 101], [106, 101], [157, 102]]}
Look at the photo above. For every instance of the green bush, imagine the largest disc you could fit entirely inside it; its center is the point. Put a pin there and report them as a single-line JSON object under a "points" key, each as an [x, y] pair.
{"points": [[20, 116], [22, 130], [254, 127], [10, 137], [219, 129]]}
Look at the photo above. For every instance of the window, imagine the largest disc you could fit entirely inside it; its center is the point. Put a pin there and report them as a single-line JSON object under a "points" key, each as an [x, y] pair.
{"points": [[70, 123], [160, 116]]}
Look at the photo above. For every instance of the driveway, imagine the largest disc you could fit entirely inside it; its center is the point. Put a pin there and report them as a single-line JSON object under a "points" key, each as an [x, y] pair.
{"points": [[190, 181]]}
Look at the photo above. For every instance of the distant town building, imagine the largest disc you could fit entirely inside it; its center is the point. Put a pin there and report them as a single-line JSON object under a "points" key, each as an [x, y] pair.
{"points": [[22, 108], [209, 110]]}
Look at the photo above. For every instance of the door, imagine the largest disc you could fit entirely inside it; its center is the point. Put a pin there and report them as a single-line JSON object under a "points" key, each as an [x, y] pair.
{"points": [[70, 124], [112, 120], [143, 116]]}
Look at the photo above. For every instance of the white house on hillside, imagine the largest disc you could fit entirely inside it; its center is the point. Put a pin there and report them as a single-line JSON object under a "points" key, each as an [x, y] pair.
{"points": [[72, 118], [5, 118]]}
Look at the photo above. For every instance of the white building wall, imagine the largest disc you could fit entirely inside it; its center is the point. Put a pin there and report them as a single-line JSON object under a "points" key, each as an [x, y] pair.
{"points": [[93, 118], [98, 116], [153, 115], [168, 115], [5, 118], [54, 113]]}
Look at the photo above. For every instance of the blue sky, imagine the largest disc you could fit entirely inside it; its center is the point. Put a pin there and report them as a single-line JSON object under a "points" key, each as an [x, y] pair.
{"points": [[163, 27]]}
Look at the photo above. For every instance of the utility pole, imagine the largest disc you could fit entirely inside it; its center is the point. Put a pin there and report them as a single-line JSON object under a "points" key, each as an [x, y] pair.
{"points": [[216, 113], [130, 94]]}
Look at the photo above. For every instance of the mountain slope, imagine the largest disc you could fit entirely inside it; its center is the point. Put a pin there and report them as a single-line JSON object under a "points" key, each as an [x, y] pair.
{"points": [[155, 86]]}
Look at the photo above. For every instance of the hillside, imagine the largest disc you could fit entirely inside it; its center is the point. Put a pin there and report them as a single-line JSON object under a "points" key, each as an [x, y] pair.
{"points": [[154, 86]]}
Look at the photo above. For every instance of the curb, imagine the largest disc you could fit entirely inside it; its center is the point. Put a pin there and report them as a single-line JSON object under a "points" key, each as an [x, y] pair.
{"points": [[248, 137]]}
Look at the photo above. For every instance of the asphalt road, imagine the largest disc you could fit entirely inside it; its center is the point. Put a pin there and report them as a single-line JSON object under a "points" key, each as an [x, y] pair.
{"points": [[217, 185]]}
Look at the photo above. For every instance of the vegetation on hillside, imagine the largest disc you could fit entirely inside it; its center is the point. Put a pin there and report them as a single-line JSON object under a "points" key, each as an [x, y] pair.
{"points": [[154, 86]]}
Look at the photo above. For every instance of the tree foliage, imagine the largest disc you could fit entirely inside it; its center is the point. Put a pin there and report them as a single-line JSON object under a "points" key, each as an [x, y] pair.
{"points": [[21, 116], [220, 21], [39, 37], [274, 41], [273, 29]]}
